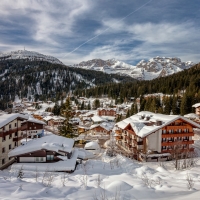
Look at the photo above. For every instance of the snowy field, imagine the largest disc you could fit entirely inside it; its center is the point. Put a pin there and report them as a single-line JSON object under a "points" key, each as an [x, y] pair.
{"points": [[106, 178]]}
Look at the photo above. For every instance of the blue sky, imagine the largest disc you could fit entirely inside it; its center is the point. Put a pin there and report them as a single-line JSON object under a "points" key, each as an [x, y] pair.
{"points": [[80, 30]]}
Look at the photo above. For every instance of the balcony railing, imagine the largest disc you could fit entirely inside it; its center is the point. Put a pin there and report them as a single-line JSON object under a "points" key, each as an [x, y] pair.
{"points": [[16, 139], [182, 134], [179, 142], [8, 132]]}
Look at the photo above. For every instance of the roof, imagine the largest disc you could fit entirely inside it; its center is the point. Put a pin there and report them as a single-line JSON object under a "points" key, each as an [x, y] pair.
{"points": [[196, 105], [191, 116], [32, 119], [7, 118], [48, 142], [97, 118], [143, 127], [104, 125], [62, 165]]}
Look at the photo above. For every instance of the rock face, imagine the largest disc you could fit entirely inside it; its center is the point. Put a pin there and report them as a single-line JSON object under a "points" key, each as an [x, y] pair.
{"points": [[31, 55], [144, 70]]}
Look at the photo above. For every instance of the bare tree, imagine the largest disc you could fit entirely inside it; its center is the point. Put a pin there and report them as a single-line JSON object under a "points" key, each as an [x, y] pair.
{"points": [[190, 181], [98, 180], [64, 179], [20, 173], [36, 174]]}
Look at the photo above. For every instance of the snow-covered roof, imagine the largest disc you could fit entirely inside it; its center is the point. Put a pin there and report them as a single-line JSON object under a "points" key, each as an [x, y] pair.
{"points": [[191, 116], [104, 125], [144, 127], [48, 142], [196, 105], [7, 118], [32, 119], [97, 118], [55, 118], [92, 145], [84, 154]]}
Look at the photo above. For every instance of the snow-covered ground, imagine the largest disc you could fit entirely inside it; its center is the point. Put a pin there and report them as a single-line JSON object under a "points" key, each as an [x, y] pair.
{"points": [[112, 178]]}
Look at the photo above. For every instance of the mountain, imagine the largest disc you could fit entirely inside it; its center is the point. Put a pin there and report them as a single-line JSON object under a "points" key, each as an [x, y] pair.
{"points": [[30, 55], [144, 70], [38, 79]]}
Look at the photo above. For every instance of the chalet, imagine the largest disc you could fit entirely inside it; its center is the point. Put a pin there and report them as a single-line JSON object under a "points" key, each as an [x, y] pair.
{"points": [[102, 129], [10, 134], [106, 111], [52, 151], [155, 136], [54, 121], [97, 119], [33, 127]]}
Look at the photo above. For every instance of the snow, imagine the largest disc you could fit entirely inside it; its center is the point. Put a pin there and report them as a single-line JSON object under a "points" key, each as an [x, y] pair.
{"points": [[49, 142], [24, 54], [196, 105], [92, 145], [7, 118], [32, 119], [123, 179]]}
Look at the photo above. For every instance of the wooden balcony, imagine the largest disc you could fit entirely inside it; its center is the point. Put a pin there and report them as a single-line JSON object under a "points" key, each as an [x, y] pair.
{"points": [[137, 142], [181, 142], [24, 127], [118, 137], [182, 134], [16, 139], [175, 127], [8, 132], [182, 150]]}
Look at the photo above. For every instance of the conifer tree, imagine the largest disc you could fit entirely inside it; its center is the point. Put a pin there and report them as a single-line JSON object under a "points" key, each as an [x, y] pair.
{"points": [[128, 113], [67, 129]]}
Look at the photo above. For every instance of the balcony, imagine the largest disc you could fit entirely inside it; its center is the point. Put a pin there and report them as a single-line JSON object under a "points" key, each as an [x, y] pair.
{"points": [[138, 142], [24, 127], [182, 134], [8, 132], [16, 139], [118, 137], [181, 142]]}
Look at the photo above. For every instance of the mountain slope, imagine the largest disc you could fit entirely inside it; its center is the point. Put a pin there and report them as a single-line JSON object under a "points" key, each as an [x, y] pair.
{"points": [[43, 80], [30, 55], [144, 70]]}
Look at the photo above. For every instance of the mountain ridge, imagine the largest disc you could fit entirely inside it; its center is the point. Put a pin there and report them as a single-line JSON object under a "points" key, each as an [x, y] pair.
{"points": [[144, 70]]}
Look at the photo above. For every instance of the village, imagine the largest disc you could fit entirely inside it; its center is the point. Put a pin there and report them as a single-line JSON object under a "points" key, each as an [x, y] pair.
{"points": [[105, 141]]}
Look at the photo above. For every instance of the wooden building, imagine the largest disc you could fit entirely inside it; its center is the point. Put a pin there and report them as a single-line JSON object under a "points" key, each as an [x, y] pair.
{"points": [[152, 136]]}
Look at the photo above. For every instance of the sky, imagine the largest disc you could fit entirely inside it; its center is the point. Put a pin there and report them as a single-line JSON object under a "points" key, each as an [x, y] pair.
{"points": [[81, 30]]}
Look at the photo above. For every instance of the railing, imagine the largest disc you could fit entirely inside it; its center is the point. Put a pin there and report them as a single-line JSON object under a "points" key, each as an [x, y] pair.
{"points": [[8, 132], [182, 134], [16, 139], [179, 142]]}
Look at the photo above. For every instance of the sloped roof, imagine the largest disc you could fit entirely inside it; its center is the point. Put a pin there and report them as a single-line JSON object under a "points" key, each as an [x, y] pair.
{"points": [[141, 126], [48, 142], [7, 118]]}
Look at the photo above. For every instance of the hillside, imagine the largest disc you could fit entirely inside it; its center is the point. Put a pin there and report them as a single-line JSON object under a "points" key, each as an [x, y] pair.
{"points": [[144, 70], [29, 55], [44, 80]]}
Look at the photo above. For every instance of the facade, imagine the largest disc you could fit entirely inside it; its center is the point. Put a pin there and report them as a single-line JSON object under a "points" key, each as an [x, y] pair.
{"points": [[101, 129], [10, 134], [33, 127], [153, 136], [106, 111]]}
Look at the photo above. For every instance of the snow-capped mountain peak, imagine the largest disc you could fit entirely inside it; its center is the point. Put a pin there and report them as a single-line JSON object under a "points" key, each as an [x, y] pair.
{"points": [[144, 70], [31, 55]]}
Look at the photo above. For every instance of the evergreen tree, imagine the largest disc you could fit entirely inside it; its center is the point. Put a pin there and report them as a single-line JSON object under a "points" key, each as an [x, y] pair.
{"points": [[96, 103], [128, 113], [67, 129], [186, 106], [82, 105], [89, 106]]}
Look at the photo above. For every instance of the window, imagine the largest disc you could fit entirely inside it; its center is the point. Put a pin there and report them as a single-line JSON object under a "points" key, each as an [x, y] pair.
{"points": [[41, 159], [10, 126], [37, 159], [164, 147], [10, 146], [15, 143], [50, 157], [16, 134], [3, 161], [3, 138], [15, 124], [10, 136], [3, 150]]}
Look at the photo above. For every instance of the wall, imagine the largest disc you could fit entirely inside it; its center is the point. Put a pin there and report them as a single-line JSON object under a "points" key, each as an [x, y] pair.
{"points": [[154, 141]]}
